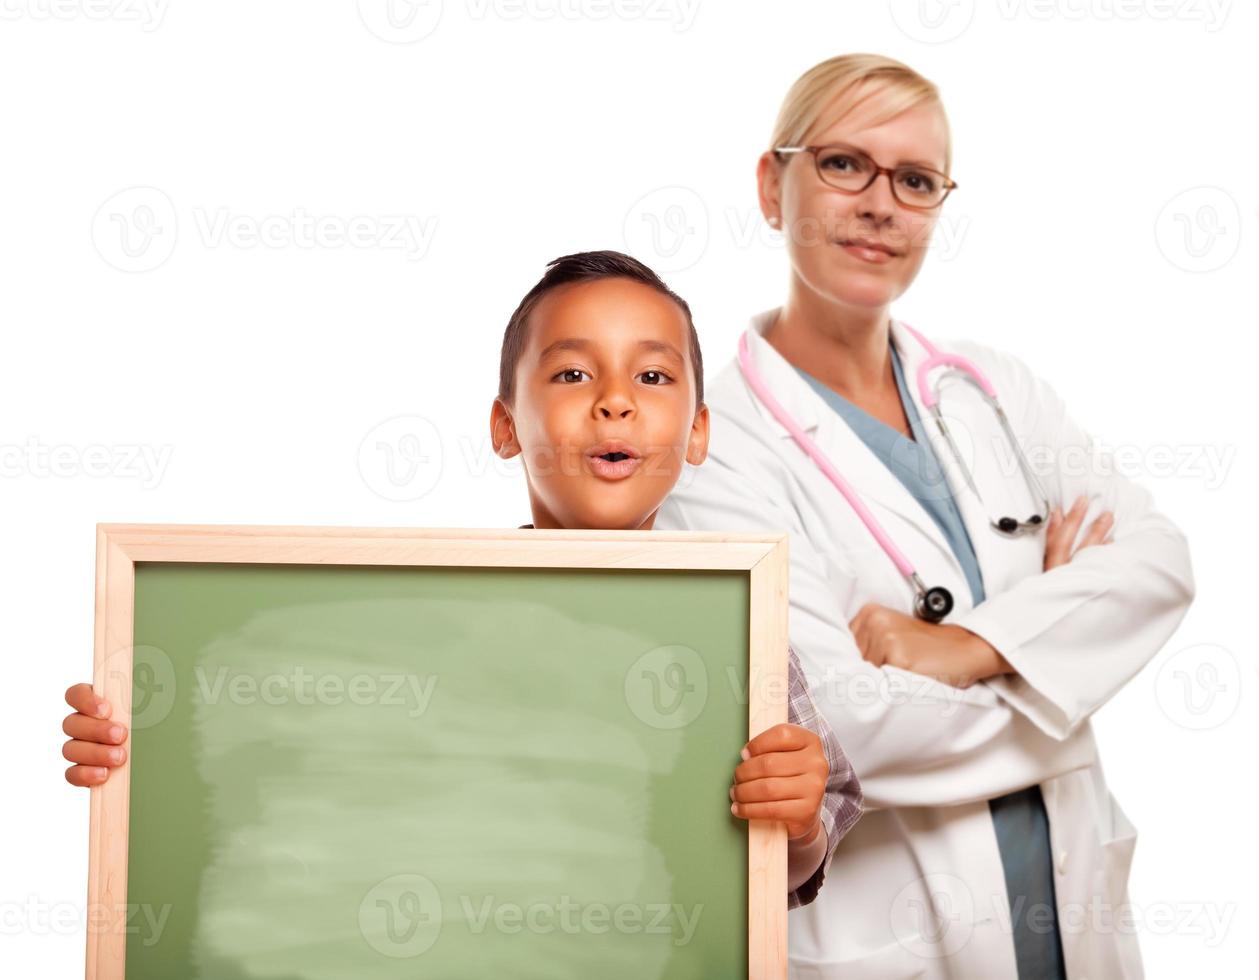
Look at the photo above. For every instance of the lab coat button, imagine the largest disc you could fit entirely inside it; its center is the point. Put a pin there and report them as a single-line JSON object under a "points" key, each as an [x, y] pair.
{"points": [[1062, 862]]}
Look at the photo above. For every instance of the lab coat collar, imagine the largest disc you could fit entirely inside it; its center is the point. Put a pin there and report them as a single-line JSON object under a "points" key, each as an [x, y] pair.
{"points": [[869, 477], [791, 390], [795, 394]]}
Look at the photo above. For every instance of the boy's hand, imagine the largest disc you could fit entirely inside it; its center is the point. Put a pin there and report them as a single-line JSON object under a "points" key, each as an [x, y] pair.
{"points": [[782, 778], [95, 744]]}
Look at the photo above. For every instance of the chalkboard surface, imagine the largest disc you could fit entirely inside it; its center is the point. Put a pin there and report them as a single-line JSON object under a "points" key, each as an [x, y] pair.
{"points": [[430, 771]]}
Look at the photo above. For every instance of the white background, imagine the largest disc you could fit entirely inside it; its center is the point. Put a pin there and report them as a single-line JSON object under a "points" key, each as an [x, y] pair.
{"points": [[1106, 230]]}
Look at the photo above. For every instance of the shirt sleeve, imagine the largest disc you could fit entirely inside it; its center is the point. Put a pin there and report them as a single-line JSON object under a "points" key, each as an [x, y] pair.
{"points": [[842, 802]]}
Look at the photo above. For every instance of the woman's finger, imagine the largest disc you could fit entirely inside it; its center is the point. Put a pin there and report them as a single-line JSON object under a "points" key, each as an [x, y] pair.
{"points": [[1098, 530], [1055, 544], [856, 625], [1072, 520], [858, 628], [1058, 544], [87, 729]]}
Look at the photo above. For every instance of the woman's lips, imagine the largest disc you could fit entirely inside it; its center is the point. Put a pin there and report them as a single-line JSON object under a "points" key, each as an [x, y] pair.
{"points": [[614, 469], [875, 256]]}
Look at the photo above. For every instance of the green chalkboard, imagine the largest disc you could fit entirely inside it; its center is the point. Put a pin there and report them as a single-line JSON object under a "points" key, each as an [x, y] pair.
{"points": [[356, 771]]}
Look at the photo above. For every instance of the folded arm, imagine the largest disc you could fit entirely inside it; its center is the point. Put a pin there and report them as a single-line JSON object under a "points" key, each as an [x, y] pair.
{"points": [[912, 740], [1074, 635]]}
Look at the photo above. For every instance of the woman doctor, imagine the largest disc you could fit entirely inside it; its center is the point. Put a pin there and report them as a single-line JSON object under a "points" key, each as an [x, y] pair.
{"points": [[957, 655]]}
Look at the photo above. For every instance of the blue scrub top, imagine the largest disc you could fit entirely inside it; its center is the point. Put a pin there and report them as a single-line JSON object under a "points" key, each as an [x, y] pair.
{"points": [[1019, 818]]}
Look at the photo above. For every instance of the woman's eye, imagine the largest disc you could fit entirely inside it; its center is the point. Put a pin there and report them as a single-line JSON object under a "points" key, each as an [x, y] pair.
{"points": [[655, 377], [918, 182], [838, 162], [565, 375]]}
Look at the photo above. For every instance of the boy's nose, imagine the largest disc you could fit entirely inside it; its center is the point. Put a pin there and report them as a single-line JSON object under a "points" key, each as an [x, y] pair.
{"points": [[614, 403]]}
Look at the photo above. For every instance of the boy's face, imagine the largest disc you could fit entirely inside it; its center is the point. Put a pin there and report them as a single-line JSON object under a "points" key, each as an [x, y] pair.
{"points": [[606, 369]]}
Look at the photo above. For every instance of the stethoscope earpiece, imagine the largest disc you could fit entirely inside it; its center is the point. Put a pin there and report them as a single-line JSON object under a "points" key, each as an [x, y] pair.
{"points": [[1012, 526]]}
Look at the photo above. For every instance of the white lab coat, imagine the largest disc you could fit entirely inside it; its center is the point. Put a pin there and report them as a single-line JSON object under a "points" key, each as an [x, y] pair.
{"points": [[916, 889]]}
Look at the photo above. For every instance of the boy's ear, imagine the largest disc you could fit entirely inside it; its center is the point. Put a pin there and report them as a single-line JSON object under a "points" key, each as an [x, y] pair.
{"points": [[697, 443], [503, 431]]}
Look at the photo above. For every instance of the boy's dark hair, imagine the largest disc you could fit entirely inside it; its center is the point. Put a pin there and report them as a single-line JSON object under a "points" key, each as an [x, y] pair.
{"points": [[585, 267]]}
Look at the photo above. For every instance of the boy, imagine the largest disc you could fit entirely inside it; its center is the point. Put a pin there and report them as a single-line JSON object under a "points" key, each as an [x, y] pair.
{"points": [[602, 449], [601, 394]]}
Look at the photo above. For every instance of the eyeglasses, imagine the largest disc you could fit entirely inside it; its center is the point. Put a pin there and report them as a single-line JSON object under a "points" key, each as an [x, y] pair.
{"points": [[851, 170]]}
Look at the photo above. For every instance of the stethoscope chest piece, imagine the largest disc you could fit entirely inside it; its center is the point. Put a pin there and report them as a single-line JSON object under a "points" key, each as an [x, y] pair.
{"points": [[932, 604]]}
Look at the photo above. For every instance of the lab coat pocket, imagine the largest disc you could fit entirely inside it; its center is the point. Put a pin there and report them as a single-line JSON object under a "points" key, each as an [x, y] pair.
{"points": [[891, 962]]}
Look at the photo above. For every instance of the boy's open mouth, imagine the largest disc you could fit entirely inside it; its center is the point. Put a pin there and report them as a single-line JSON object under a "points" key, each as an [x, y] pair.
{"points": [[613, 460]]}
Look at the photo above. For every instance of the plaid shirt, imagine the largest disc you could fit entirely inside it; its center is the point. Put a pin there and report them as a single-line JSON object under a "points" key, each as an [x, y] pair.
{"points": [[841, 805]]}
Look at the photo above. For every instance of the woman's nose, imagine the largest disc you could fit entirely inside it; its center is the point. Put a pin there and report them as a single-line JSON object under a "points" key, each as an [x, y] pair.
{"points": [[876, 201]]}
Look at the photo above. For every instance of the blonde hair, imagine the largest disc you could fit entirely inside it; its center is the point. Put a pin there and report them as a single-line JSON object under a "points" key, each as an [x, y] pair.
{"points": [[830, 90]]}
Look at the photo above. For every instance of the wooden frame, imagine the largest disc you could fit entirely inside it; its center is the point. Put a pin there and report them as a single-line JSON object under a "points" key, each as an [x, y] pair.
{"points": [[120, 546]]}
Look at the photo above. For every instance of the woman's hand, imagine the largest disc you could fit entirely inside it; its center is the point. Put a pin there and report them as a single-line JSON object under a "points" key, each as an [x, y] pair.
{"points": [[950, 654], [1060, 532], [783, 777], [95, 744]]}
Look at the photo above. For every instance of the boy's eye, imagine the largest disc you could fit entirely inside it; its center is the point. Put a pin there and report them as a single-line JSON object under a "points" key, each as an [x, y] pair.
{"points": [[564, 375], [655, 377]]}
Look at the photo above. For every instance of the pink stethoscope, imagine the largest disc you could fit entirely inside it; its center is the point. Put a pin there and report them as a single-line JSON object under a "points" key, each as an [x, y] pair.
{"points": [[930, 604]]}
